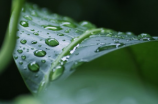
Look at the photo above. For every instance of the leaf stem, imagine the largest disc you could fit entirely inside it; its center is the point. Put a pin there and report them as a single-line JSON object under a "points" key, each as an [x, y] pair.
{"points": [[10, 37]]}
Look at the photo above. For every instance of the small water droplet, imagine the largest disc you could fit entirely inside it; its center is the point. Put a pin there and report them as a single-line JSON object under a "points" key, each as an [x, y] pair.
{"points": [[60, 34], [32, 29], [23, 9], [87, 24], [20, 51], [28, 17], [109, 46], [34, 13], [36, 33], [39, 53], [32, 48], [15, 57], [69, 24], [23, 57], [23, 41], [51, 42], [24, 23], [67, 30], [34, 42], [33, 66], [50, 27], [57, 72], [43, 61], [39, 45], [20, 62]]}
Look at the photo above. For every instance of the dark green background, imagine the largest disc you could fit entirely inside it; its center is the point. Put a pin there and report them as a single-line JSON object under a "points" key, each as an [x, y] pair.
{"points": [[122, 15]]}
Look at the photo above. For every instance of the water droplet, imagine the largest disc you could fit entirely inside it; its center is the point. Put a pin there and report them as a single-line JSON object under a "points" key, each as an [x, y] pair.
{"points": [[23, 57], [24, 23], [69, 24], [43, 61], [51, 42], [67, 30], [23, 41], [20, 62], [20, 51], [50, 27], [109, 46], [39, 45], [60, 34], [33, 66], [32, 48], [34, 13], [23, 9], [144, 35], [34, 42], [87, 24], [28, 17], [32, 29], [40, 53], [58, 71], [36, 33], [15, 57]]}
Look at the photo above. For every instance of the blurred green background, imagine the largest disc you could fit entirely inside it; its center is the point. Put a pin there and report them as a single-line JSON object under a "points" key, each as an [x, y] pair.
{"points": [[136, 16]]}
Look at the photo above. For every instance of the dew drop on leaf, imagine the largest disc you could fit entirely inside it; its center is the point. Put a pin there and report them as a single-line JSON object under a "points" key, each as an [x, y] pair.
{"points": [[43, 61], [109, 46], [34, 13], [67, 30], [36, 33], [15, 57], [58, 71], [60, 34], [23, 41], [20, 62], [50, 27], [28, 17], [33, 66], [23, 57], [51, 42], [24, 23], [87, 24], [34, 42], [39, 53], [68, 24], [20, 51]]}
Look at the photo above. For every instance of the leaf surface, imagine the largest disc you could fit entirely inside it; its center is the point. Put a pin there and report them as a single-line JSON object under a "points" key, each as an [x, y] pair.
{"points": [[49, 47]]}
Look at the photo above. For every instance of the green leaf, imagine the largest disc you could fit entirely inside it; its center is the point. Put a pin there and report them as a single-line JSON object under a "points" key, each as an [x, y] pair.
{"points": [[49, 46]]}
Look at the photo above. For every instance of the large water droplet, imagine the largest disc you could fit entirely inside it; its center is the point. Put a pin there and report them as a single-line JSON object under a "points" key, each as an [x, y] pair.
{"points": [[24, 23], [28, 17], [109, 46], [58, 71], [68, 24], [40, 53], [51, 42], [54, 28], [23, 41], [33, 66], [23, 57], [20, 51]]}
